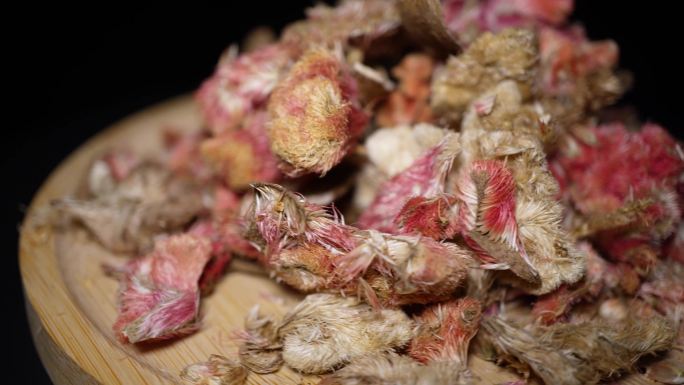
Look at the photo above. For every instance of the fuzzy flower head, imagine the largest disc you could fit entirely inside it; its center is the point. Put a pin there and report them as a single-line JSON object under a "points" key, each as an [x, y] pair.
{"points": [[218, 370], [445, 331], [159, 294], [240, 85], [315, 117]]}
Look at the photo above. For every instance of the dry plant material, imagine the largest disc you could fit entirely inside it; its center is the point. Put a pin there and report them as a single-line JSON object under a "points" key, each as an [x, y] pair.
{"points": [[392, 369], [484, 186], [147, 201], [218, 370], [583, 353], [315, 116], [325, 332], [445, 330], [159, 293]]}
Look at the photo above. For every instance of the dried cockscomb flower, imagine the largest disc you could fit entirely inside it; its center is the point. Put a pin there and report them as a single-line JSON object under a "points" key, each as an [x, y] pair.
{"points": [[218, 370], [468, 19], [325, 332], [159, 294], [408, 104], [629, 178], [241, 85], [491, 59], [354, 22], [299, 240], [399, 270], [579, 354], [148, 202], [315, 117], [392, 369], [242, 156], [444, 331], [425, 177], [260, 348]]}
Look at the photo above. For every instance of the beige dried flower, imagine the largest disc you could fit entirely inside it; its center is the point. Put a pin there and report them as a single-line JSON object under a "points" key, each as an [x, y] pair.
{"points": [[392, 369], [218, 370], [260, 349], [492, 58], [580, 354], [149, 201], [326, 331], [315, 114]]}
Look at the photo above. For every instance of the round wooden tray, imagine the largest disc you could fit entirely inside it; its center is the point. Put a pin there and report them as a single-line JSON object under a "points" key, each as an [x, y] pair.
{"points": [[71, 304]]}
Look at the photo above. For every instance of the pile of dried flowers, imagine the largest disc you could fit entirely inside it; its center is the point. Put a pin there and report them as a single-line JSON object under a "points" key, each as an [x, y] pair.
{"points": [[456, 183]]}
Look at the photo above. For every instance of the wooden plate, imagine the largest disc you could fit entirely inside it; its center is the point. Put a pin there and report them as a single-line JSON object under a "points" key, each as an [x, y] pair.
{"points": [[71, 303]]}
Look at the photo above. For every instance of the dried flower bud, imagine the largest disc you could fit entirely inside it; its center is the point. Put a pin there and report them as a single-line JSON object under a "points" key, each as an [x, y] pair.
{"points": [[576, 75], [425, 177], [428, 217], [584, 353], [468, 19], [243, 156], [408, 104], [445, 330], [392, 369], [352, 21], [405, 269], [158, 294], [315, 117], [486, 218], [241, 85], [183, 155], [260, 348], [552, 306], [491, 59], [217, 371], [327, 331], [148, 202], [669, 369]]}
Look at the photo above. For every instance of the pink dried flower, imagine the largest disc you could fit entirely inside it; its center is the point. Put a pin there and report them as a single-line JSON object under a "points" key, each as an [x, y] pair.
{"points": [[315, 114], [184, 155], [121, 163], [486, 217], [468, 19], [429, 217], [158, 295], [243, 156], [634, 174], [241, 85], [445, 331], [425, 177]]}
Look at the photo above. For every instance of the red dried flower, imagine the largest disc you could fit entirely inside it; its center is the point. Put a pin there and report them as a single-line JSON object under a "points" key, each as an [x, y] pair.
{"points": [[430, 217], [159, 296], [445, 330], [425, 178]]}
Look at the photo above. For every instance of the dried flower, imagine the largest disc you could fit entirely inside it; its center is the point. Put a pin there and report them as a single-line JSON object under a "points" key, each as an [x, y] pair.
{"points": [[402, 270], [260, 348], [491, 59], [148, 202], [325, 332], [392, 369], [218, 370], [241, 85], [425, 177], [355, 22], [408, 104], [428, 217], [158, 294], [468, 19], [315, 117], [242, 156], [445, 330], [582, 353]]}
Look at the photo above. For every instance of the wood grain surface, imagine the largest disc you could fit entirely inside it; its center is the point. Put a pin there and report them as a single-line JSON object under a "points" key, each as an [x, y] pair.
{"points": [[71, 303]]}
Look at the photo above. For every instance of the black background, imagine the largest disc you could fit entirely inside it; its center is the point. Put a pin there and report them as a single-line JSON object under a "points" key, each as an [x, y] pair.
{"points": [[75, 70]]}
